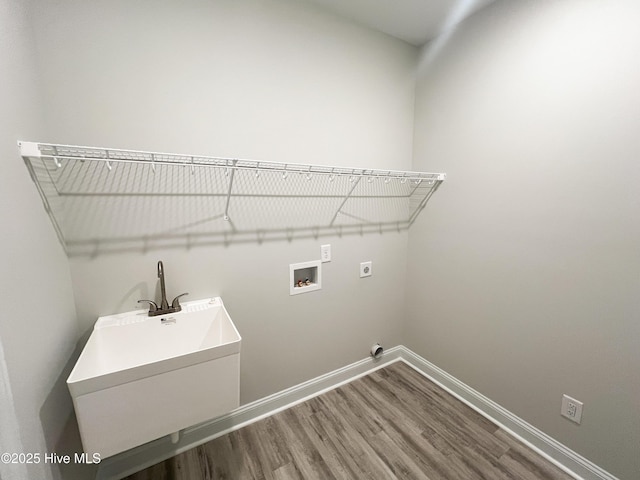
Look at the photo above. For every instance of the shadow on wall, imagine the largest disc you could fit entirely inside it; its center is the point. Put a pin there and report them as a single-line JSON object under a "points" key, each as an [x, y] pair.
{"points": [[61, 433], [108, 205]]}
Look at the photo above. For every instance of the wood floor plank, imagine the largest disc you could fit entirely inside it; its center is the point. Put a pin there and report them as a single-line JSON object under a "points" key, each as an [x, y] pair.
{"points": [[406, 435], [306, 457], [192, 464], [367, 421], [255, 457], [453, 467], [525, 463], [287, 472], [339, 465], [402, 466], [271, 448], [393, 423], [342, 427], [439, 417], [401, 374]]}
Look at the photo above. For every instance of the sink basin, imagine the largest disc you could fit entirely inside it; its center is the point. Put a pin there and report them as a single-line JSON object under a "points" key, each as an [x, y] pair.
{"points": [[140, 378], [130, 346]]}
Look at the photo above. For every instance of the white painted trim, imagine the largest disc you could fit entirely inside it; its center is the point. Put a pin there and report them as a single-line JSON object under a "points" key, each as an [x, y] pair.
{"points": [[148, 454]]}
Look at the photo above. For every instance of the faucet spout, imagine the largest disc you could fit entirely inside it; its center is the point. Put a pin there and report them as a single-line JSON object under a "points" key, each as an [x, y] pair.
{"points": [[164, 307], [164, 304]]}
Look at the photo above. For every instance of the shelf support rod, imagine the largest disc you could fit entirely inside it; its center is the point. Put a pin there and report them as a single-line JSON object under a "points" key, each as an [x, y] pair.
{"points": [[47, 205], [231, 175], [415, 188], [424, 201], [355, 184]]}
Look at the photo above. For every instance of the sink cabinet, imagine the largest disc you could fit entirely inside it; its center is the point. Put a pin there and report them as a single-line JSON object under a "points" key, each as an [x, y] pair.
{"points": [[185, 370]]}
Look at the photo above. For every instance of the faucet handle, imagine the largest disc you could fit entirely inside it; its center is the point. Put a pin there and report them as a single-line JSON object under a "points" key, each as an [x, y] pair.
{"points": [[176, 302], [153, 306]]}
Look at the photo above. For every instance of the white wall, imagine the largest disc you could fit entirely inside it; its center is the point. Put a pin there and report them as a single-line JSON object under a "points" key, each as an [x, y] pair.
{"points": [[522, 269], [523, 279], [270, 80], [38, 328]]}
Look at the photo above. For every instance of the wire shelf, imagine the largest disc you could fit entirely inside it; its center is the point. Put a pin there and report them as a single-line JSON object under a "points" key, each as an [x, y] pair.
{"points": [[103, 199]]}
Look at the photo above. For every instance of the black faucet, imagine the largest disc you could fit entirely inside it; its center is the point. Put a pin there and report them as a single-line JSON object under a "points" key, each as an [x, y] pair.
{"points": [[164, 307]]}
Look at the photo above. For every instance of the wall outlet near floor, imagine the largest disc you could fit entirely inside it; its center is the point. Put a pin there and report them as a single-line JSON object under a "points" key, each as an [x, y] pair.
{"points": [[571, 408], [365, 269]]}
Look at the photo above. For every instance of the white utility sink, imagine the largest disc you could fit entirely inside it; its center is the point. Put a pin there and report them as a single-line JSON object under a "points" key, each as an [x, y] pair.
{"points": [[140, 378]]}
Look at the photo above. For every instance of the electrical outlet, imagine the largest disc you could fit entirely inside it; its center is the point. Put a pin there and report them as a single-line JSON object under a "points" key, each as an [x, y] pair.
{"points": [[365, 269], [325, 253], [571, 409]]}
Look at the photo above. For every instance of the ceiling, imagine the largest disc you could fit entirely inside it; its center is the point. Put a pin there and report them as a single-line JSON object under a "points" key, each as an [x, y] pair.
{"points": [[414, 21]]}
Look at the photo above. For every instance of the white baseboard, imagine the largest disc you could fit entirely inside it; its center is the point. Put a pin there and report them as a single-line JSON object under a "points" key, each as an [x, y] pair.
{"points": [[141, 457]]}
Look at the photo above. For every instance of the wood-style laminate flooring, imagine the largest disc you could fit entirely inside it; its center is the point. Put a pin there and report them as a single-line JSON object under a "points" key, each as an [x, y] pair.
{"points": [[392, 423]]}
